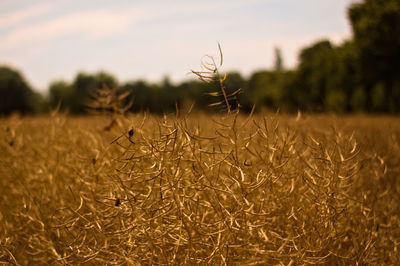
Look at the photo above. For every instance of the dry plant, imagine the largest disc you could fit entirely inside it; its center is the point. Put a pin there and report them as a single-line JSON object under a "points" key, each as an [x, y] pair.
{"points": [[210, 74], [106, 101], [227, 190]]}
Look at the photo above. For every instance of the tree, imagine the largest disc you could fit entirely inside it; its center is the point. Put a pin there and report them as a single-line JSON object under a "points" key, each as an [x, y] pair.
{"points": [[308, 90], [61, 93], [347, 76], [140, 95], [269, 88], [328, 78], [278, 64], [15, 93], [344, 78], [75, 96], [85, 84], [169, 96], [376, 29], [194, 92]]}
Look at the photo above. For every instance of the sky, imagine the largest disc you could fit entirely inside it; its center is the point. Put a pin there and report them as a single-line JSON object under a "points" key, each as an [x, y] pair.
{"points": [[49, 40]]}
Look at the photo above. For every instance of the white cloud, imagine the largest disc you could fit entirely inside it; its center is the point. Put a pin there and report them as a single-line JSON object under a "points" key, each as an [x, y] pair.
{"points": [[9, 20], [91, 23]]}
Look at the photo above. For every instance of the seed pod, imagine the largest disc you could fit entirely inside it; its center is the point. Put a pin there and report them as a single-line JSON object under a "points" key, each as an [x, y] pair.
{"points": [[117, 202]]}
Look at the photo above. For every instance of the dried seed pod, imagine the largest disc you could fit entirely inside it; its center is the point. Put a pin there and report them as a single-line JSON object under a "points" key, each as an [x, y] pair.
{"points": [[117, 202]]}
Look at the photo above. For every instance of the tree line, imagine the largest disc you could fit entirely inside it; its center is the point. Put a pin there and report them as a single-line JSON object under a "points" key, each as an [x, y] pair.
{"points": [[360, 75]]}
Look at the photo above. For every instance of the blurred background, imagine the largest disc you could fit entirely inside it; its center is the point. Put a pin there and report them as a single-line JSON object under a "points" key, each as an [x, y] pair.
{"points": [[319, 56]]}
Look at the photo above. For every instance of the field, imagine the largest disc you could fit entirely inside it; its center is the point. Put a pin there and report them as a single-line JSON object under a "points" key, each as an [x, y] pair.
{"points": [[200, 189]]}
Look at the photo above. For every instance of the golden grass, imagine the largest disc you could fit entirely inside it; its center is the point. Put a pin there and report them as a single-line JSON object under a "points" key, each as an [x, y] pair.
{"points": [[200, 189]]}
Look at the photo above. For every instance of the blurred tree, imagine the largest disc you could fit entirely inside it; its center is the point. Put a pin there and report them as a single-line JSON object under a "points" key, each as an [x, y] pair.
{"points": [[309, 84], [194, 91], [85, 84], [278, 64], [140, 95], [61, 93], [268, 88], [326, 78], [169, 96], [74, 96], [347, 75], [378, 103], [15, 93], [358, 100], [343, 77], [376, 29]]}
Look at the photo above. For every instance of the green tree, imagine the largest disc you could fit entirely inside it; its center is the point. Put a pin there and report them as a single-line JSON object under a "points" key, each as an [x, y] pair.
{"points": [[169, 96], [310, 82], [376, 29], [194, 91], [85, 84], [75, 96], [140, 94], [347, 77], [343, 77], [358, 100], [278, 63], [61, 93], [15, 93], [326, 78], [269, 88]]}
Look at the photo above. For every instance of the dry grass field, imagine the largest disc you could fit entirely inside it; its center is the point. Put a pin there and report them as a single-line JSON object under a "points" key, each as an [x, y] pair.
{"points": [[200, 189]]}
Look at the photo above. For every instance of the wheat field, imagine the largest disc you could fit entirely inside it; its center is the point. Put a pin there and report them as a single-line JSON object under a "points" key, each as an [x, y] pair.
{"points": [[200, 189]]}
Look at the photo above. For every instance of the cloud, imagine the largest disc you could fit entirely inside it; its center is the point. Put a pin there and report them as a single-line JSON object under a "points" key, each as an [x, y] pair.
{"points": [[91, 23], [22, 15]]}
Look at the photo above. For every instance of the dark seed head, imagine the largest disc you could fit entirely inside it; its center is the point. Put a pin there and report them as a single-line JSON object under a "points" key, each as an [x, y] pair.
{"points": [[131, 132], [117, 202]]}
